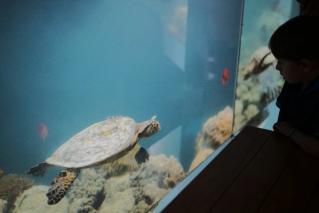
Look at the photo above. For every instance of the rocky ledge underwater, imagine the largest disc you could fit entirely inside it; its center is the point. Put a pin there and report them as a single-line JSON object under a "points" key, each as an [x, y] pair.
{"points": [[124, 185]]}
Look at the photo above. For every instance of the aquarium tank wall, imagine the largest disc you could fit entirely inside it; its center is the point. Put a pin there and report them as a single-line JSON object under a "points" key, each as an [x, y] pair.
{"points": [[258, 82], [79, 79]]}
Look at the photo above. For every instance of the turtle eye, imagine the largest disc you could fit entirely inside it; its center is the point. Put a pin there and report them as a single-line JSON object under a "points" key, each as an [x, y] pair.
{"points": [[155, 125]]}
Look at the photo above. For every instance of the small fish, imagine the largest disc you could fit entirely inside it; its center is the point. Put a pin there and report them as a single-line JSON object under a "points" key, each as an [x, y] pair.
{"points": [[225, 76], [43, 131], [211, 76], [211, 59]]}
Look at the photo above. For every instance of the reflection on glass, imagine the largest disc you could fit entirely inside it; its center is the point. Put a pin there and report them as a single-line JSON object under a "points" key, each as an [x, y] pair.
{"points": [[80, 84], [258, 83]]}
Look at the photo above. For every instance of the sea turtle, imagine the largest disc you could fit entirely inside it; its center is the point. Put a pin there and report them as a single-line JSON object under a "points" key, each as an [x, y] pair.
{"points": [[102, 141]]}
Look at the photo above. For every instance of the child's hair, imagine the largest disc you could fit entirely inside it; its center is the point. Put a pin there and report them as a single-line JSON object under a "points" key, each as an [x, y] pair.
{"points": [[296, 39]]}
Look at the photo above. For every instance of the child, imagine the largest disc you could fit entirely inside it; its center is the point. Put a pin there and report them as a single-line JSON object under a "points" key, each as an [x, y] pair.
{"points": [[295, 45]]}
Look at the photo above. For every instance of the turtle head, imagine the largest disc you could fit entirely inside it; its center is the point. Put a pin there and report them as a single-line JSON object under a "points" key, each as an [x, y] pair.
{"points": [[151, 127]]}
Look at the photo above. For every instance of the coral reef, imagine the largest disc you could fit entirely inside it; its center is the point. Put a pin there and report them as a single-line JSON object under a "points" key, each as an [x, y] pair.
{"points": [[11, 186], [256, 88], [259, 62], [3, 206], [133, 183], [200, 157], [87, 192], [129, 162], [215, 130], [213, 133], [34, 200], [143, 188], [130, 184], [1, 173]]}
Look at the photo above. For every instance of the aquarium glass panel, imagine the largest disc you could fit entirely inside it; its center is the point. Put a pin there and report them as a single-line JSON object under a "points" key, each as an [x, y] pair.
{"points": [[258, 82], [107, 105]]}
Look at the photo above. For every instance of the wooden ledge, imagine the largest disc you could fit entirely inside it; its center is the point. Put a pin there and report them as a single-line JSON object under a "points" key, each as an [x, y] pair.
{"points": [[259, 171]]}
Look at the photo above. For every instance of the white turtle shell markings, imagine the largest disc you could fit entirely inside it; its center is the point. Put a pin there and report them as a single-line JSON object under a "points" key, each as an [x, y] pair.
{"points": [[96, 143]]}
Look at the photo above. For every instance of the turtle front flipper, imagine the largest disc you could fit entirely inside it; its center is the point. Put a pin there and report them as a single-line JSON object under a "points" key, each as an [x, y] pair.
{"points": [[61, 184]]}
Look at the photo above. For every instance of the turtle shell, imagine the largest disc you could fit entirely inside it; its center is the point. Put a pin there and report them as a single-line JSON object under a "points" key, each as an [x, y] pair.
{"points": [[96, 143]]}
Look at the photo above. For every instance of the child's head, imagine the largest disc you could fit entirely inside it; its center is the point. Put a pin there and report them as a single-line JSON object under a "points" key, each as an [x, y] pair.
{"points": [[296, 39], [296, 46]]}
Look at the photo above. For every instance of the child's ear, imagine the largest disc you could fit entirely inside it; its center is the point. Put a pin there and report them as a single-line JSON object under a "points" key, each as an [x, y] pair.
{"points": [[307, 65]]}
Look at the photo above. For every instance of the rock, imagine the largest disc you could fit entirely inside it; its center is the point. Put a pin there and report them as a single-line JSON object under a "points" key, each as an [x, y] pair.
{"points": [[200, 157], [88, 191], [1, 173], [140, 190], [34, 200], [215, 130], [3, 206], [129, 184], [116, 188], [259, 62], [256, 85], [11, 186]]}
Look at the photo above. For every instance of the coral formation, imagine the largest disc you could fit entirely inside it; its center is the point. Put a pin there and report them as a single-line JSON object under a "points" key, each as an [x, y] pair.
{"points": [[3, 206], [200, 157], [143, 188], [1, 173], [129, 162], [256, 88], [133, 183], [88, 192], [259, 62], [215, 130], [34, 200], [125, 185], [11, 186], [213, 133]]}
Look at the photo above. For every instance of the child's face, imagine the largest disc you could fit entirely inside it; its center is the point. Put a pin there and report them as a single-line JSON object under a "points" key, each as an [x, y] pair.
{"points": [[290, 70]]}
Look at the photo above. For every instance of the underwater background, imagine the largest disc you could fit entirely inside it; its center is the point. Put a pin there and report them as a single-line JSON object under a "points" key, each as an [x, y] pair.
{"points": [[258, 82], [65, 65]]}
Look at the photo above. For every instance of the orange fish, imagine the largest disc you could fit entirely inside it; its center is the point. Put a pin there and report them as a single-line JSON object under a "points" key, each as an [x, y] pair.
{"points": [[225, 76], [43, 131]]}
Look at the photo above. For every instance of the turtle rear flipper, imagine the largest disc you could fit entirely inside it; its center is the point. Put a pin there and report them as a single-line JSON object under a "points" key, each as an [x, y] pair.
{"points": [[61, 184], [39, 169]]}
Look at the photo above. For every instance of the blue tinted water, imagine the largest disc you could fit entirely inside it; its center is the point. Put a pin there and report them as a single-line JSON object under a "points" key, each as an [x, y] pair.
{"points": [[260, 20], [68, 64]]}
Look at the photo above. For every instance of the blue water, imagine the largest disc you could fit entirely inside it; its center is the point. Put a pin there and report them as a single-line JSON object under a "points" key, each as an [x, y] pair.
{"points": [[69, 64], [260, 20]]}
